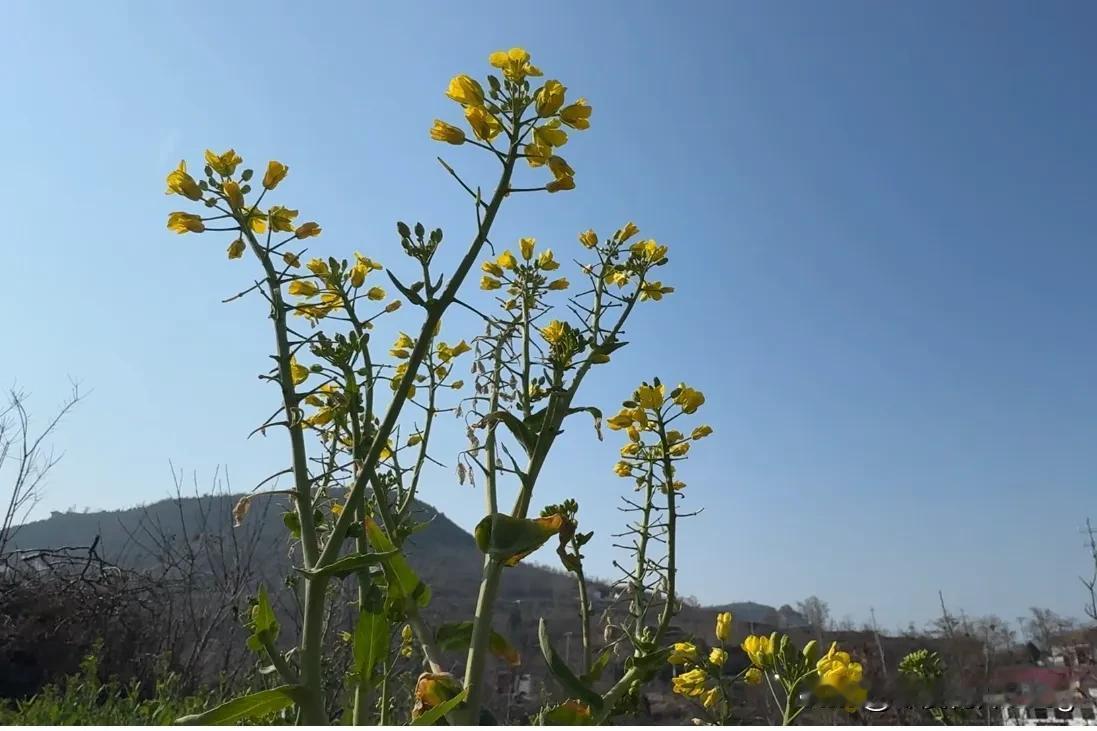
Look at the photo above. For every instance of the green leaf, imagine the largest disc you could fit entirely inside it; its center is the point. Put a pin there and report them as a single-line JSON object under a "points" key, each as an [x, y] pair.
{"points": [[433, 715], [371, 643], [264, 623], [595, 412], [598, 666], [568, 713], [525, 436], [255, 705], [563, 673], [347, 565], [458, 636], [293, 522], [403, 582], [509, 539]]}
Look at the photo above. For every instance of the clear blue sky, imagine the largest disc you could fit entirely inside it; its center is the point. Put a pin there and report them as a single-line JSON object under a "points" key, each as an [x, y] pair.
{"points": [[881, 219]]}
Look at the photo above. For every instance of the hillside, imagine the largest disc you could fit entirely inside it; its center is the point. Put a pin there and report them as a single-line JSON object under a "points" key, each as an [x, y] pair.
{"points": [[144, 537]]}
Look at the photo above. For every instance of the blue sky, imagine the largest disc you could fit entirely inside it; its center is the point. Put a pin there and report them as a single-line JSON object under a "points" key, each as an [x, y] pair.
{"points": [[881, 219]]}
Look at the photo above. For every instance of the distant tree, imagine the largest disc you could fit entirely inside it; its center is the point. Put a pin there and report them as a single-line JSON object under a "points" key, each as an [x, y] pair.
{"points": [[25, 459], [816, 612], [1044, 626], [1091, 583]]}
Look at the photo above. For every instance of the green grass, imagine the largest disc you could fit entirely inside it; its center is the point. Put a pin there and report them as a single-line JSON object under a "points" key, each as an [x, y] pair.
{"points": [[83, 699]]}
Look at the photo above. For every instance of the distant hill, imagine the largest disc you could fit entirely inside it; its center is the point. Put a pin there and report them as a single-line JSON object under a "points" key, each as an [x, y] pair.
{"points": [[445, 556]]}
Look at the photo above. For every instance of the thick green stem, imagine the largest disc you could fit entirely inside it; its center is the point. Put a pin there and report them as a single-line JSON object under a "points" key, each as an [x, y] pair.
{"points": [[313, 712], [434, 309], [584, 614], [291, 403], [478, 644]]}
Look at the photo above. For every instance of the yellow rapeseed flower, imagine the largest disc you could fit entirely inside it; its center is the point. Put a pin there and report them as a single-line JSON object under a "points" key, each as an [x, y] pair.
{"points": [[546, 262], [526, 245], [689, 399], [839, 675], [759, 649], [276, 173], [691, 683], [654, 291], [701, 432], [753, 676], [648, 252], [550, 135], [291, 259], [319, 267], [723, 626], [554, 332], [306, 230], [711, 698], [623, 469], [650, 397], [257, 220], [492, 268], [181, 222], [298, 372], [683, 653], [466, 90], [236, 249], [225, 163], [443, 132], [576, 115], [484, 124], [181, 183], [588, 238], [560, 168], [489, 283], [506, 260], [281, 218], [303, 288], [392, 306], [358, 274], [567, 183], [514, 64], [627, 231], [718, 656], [537, 155], [376, 294], [558, 284], [550, 98]]}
